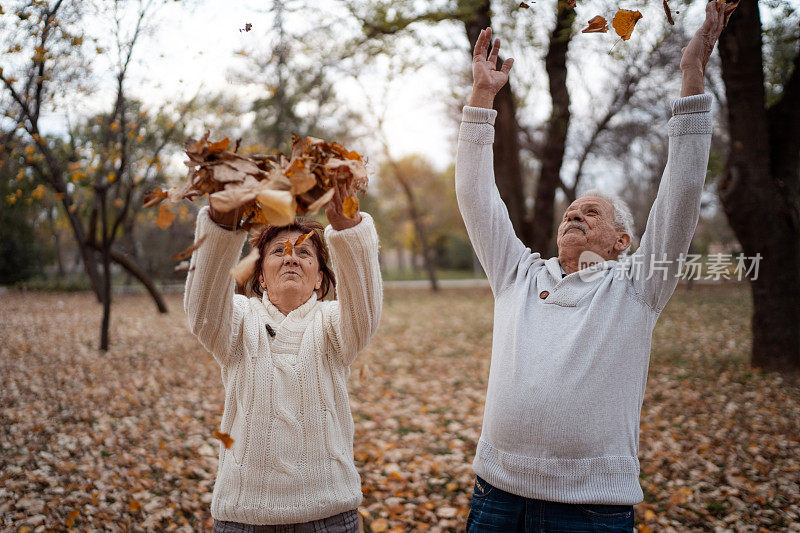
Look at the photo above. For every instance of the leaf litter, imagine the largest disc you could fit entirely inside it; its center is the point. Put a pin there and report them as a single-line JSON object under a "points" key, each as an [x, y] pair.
{"points": [[123, 440]]}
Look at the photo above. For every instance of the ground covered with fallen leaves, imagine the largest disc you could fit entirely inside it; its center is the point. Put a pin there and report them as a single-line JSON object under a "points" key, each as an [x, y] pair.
{"points": [[122, 441]]}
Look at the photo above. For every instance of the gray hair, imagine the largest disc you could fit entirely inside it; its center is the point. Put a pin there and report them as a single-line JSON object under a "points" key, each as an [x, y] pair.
{"points": [[623, 219]]}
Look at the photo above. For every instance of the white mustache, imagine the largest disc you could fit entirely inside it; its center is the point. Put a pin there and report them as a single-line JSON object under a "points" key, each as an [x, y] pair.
{"points": [[571, 225]]}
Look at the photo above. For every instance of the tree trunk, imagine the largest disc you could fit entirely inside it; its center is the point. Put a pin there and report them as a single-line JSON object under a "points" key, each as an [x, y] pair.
{"points": [[419, 226], [759, 189], [556, 135], [506, 148], [136, 271]]}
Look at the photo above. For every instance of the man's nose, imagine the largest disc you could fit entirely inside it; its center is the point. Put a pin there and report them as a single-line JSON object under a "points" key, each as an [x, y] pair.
{"points": [[574, 215]]}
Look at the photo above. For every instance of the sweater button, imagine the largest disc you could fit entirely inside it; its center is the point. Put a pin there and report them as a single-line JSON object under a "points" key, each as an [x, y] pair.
{"points": [[544, 294]]}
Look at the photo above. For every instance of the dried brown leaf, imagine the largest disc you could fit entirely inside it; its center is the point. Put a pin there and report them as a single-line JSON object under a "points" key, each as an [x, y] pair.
{"points": [[597, 24]]}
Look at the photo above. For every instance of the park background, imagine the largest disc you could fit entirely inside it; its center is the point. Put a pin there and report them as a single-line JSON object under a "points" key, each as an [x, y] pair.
{"points": [[108, 402]]}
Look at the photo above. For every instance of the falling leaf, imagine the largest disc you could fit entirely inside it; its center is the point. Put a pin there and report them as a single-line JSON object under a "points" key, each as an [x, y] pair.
{"points": [[71, 517], [226, 439], [624, 21], [165, 217], [288, 248], [188, 252], [523, 5], [668, 12], [597, 24], [302, 238], [134, 505], [244, 269], [153, 197], [350, 207], [38, 192]]}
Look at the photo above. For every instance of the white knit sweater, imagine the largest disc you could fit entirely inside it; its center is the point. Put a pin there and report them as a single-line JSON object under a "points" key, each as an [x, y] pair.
{"points": [[286, 403], [570, 355]]}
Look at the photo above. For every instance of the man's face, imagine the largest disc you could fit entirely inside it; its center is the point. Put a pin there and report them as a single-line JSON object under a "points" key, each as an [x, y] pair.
{"points": [[588, 225]]}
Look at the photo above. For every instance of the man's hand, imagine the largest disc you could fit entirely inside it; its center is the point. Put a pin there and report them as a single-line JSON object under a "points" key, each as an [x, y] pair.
{"points": [[487, 80], [695, 55]]}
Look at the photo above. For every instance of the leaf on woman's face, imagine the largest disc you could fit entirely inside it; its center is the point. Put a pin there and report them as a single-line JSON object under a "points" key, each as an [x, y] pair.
{"points": [[668, 12], [226, 439], [187, 253], [165, 217], [288, 247], [624, 21], [302, 238], [597, 24], [244, 269], [350, 207]]}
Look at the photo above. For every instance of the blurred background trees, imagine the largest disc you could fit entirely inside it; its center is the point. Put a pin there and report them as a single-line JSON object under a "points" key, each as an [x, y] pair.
{"points": [[83, 139]]}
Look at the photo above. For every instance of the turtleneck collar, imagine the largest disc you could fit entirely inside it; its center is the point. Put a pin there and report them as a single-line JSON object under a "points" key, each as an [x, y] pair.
{"points": [[275, 314]]}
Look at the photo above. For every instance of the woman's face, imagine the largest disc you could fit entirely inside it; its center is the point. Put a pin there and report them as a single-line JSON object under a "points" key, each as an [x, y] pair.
{"points": [[293, 276]]}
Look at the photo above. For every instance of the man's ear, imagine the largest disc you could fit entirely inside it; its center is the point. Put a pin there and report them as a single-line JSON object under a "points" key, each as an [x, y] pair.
{"points": [[623, 241]]}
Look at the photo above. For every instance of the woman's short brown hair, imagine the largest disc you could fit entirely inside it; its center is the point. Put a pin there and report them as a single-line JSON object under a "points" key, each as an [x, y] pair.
{"points": [[304, 225]]}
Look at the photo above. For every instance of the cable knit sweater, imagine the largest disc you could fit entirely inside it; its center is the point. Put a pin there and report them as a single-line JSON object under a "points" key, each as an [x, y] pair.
{"points": [[570, 355], [286, 403]]}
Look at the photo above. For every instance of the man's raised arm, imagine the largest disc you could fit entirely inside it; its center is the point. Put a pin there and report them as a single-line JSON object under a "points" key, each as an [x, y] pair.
{"points": [[485, 215], [673, 217]]}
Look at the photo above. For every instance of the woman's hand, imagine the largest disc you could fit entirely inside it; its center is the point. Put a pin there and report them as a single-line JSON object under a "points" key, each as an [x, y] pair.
{"points": [[226, 219], [696, 54], [487, 80], [335, 212]]}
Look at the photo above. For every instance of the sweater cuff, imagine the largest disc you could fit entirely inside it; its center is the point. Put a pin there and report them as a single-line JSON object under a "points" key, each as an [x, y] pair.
{"points": [[478, 115], [691, 115], [697, 103], [477, 125]]}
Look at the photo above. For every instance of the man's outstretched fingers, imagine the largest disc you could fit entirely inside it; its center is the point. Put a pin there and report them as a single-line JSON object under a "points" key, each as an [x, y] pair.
{"points": [[494, 53]]}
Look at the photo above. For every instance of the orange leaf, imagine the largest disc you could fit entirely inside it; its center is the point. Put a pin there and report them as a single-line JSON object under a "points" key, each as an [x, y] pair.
{"points": [[288, 247], [597, 24], [301, 239], [379, 525], [226, 439], [350, 207], [134, 505], [165, 217], [74, 514], [219, 146], [624, 21], [187, 253], [154, 197]]}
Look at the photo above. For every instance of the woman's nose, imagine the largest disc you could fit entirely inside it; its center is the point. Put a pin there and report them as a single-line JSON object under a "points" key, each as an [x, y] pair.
{"points": [[289, 259]]}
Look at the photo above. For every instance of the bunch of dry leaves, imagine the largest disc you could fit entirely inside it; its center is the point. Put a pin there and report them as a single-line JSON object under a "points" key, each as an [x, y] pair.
{"points": [[269, 189]]}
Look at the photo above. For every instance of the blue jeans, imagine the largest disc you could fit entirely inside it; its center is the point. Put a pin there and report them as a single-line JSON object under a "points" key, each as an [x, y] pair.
{"points": [[493, 509]]}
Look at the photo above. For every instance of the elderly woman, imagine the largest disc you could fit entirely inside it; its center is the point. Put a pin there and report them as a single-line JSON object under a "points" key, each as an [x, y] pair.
{"points": [[285, 357]]}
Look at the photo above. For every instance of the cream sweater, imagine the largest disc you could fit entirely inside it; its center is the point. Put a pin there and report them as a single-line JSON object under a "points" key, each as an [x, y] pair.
{"points": [[570, 355], [286, 403]]}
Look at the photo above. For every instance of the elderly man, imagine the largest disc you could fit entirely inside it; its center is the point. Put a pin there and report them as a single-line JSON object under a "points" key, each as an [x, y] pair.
{"points": [[559, 445]]}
